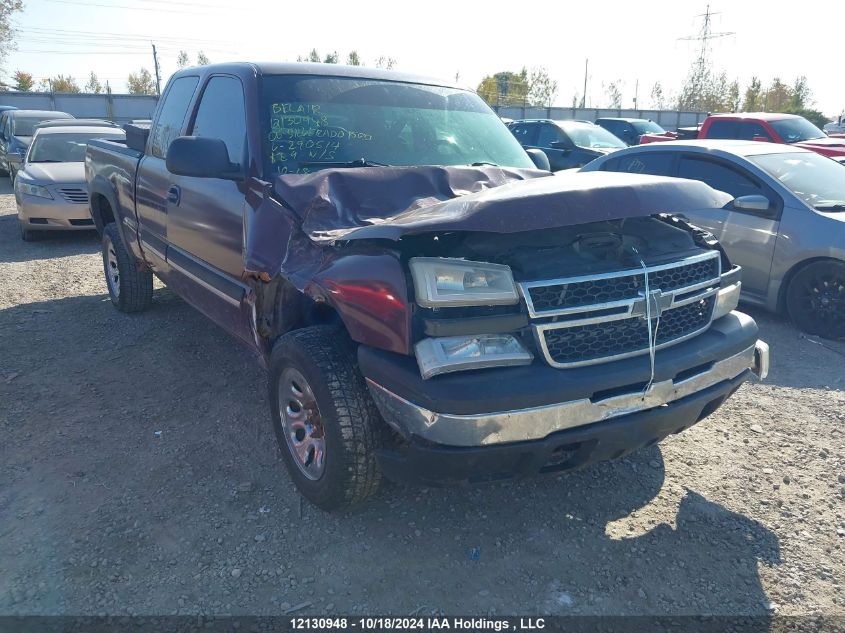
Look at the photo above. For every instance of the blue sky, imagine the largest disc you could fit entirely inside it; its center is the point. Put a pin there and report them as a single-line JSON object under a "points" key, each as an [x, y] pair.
{"points": [[631, 42]]}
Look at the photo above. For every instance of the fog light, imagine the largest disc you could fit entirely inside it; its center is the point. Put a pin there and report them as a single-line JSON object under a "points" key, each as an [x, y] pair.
{"points": [[458, 353], [727, 300]]}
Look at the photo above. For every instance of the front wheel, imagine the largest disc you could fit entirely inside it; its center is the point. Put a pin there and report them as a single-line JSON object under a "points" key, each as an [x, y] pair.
{"points": [[815, 299], [130, 287], [327, 425]]}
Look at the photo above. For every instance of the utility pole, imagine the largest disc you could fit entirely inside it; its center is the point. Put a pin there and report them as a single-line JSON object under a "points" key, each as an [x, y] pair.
{"points": [[636, 94], [155, 65], [584, 96], [704, 36]]}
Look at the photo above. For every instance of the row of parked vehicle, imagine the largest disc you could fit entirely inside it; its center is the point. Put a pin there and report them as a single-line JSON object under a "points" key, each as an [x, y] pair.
{"points": [[43, 153], [786, 224]]}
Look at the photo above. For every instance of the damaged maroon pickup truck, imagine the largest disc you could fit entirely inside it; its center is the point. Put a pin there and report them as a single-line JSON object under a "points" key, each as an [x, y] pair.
{"points": [[431, 305]]}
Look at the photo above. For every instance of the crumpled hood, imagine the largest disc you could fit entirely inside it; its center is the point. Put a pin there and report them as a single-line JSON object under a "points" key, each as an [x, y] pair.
{"points": [[389, 202]]}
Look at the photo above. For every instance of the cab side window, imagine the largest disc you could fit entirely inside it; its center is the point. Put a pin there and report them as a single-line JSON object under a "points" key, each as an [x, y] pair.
{"points": [[174, 108], [524, 133], [748, 131], [723, 129], [222, 115], [549, 134]]}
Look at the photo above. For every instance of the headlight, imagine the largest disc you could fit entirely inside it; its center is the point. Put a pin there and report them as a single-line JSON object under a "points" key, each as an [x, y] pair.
{"points": [[727, 300], [457, 353], [32, 190], [456, 282]]}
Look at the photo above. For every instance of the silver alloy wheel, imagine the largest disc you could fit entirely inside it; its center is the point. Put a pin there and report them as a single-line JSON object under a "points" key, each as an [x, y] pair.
{"points": [[302, 424], [112, 270]]}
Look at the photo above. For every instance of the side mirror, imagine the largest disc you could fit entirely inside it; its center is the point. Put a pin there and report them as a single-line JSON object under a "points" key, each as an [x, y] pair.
{"points": [[201, 157], [751, 203], [539, 158], [760, 139]]}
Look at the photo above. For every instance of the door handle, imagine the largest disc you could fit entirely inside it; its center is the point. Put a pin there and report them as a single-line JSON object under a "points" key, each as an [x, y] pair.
{"points": [[174, 195]]}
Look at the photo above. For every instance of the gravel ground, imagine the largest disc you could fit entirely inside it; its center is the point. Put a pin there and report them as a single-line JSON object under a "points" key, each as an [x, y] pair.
{"points": [[139, 475]]}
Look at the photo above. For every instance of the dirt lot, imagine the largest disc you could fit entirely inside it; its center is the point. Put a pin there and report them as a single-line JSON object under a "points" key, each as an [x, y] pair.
{"points": [[139, 475]]}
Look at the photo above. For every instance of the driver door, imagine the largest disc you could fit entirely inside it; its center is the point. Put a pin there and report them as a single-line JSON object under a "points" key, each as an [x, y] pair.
{"points": [[749, 237]]}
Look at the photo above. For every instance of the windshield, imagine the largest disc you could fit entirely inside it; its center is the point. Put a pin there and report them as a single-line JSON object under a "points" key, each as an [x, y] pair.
{"points": [[591, 136], [63, 148], [311, 120], [647, 127], [23, 126], [816, 179], [796, 130]]}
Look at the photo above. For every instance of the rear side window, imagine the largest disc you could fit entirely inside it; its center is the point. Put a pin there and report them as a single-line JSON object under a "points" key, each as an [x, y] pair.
{"points": [[172, 115], [221, 115], [718, 176], [723, 129], [524, 133], [654, 163]]}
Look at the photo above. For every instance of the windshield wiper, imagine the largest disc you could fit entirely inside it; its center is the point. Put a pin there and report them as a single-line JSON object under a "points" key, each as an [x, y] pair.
{"points": [[48, 160], [360, 162], [839, 206], [482, 163]]}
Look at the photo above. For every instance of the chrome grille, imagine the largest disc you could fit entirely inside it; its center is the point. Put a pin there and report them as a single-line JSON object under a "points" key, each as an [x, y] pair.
{"points": [[584, 344], [547, 298], [74, 195], [597, 318]]}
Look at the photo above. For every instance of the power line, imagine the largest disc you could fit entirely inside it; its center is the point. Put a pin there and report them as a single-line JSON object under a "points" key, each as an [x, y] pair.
{"points": [[123, 36], [123, 6]]}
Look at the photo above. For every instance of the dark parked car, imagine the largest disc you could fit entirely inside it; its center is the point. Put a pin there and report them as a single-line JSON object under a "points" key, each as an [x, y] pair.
{"points": [[431, 306], [568, 144], [16, 130], [629, 131], [785, 227]]}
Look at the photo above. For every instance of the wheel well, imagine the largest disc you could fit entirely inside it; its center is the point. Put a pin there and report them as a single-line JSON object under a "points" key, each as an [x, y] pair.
{"points": [[101, 211], [790, 274]]}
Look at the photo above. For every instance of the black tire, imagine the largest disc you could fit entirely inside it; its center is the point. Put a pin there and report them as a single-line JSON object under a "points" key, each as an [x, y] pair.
{"points": [[344, 417], [27, 235], [130, 287], [815, 299]]}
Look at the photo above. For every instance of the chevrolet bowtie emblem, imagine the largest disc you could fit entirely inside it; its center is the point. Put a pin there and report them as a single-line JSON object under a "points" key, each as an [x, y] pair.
{"points": [[659, 302]]}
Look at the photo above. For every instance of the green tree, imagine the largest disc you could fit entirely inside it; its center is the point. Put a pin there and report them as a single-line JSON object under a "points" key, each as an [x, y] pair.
{"points": [[505, 88], [385, 62], [313, 56], [8, 8], [753, 101], [542, 89], [141, 83], [801, 94], [614, 94], [658, 99], [23, 81], [332, 58], [733, 100], [202, 60], [183, 61], [353, 59], [60, 83], [93, 84], [778, 96]]}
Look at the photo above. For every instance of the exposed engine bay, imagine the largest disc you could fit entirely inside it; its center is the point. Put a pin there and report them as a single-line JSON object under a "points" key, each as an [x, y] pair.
{"points": [[566, 251]]}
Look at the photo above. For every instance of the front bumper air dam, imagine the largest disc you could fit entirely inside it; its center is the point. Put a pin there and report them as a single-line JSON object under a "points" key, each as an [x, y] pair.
{"points": [[420, 462]]}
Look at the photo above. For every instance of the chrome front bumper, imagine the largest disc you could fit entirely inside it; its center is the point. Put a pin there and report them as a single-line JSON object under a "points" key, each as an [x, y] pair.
{"points": [[539, 422]]}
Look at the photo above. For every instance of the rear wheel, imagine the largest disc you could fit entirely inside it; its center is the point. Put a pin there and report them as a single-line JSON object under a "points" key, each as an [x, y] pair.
{"points": [[815, 299], [130, 287], [326, 424]]}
